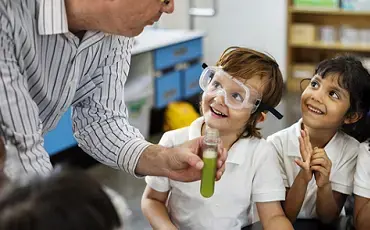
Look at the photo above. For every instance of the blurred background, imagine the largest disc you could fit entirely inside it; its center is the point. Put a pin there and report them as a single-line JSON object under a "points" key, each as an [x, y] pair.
{"points": [[167, 57]]}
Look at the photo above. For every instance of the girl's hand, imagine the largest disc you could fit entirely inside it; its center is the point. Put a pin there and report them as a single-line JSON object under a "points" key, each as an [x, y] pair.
{"points": [[306, 153]]}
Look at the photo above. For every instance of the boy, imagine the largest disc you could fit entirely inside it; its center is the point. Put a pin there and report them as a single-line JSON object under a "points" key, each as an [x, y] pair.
{"points": [[237, 92]]}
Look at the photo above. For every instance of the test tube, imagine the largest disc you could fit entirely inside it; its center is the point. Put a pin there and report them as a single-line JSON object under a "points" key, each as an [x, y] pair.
{"points": [[210, 147]]}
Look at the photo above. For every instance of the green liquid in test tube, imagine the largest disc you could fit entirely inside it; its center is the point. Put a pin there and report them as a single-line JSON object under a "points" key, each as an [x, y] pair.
{"points": [[210, 145]]}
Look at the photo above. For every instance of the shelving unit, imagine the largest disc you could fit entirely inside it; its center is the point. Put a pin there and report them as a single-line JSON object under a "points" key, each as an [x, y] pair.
{"points": [[335, 46], [312, 52]]}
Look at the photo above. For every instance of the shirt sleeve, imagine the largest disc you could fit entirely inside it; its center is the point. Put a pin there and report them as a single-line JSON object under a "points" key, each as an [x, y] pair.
{"points": [[19, 114], [100, 122], [342, 178], [161, 184], [277, 145], [362, 174], [267, 183]]}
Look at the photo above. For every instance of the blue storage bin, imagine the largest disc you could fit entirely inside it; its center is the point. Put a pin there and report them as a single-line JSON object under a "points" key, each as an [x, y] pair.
{"points": [[190, 80], [171, 55], [61, 137], [167, 89]]}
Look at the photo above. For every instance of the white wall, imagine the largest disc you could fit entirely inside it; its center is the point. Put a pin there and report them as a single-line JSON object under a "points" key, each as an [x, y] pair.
{"points": [[258, 24]]}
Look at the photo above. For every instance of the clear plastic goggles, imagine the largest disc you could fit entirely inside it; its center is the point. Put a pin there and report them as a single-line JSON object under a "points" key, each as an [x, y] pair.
{"points": [[214, 81]]}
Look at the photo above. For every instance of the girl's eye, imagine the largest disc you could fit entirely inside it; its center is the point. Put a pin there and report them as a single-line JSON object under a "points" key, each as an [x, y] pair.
{"points": [[334, 94], [314, 84]]}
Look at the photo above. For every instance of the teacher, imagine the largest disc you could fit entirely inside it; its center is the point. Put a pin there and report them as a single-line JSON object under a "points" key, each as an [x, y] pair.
{"points": [[55, 54]]}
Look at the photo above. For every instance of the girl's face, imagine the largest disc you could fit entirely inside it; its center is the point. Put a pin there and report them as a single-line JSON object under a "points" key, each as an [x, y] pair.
{"points": [[219, 116], [324, 103]]}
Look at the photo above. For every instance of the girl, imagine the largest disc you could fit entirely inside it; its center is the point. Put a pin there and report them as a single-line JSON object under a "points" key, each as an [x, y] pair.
{"points": [[317, 158], [237, 92]]}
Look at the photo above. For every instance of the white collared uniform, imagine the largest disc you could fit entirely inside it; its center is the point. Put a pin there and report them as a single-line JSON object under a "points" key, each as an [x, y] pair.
{"points": [[362, 174], [251, 175], [342, 150]]}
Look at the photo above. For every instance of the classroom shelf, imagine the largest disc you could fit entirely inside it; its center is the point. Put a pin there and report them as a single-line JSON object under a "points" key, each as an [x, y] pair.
{"points": [[326, 11], [333, 46], [303, 38]]}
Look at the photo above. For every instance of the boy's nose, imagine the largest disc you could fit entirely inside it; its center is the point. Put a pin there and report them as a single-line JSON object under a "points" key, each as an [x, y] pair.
{"points": [[220, 99]]}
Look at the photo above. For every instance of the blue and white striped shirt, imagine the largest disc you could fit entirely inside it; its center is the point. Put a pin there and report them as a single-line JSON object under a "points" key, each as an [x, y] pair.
{"points": [[44, 69]]}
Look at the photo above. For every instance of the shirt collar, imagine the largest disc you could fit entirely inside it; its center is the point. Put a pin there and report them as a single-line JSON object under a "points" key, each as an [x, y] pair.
{"points": [[235, 155], [52, 17], [330, 147]]}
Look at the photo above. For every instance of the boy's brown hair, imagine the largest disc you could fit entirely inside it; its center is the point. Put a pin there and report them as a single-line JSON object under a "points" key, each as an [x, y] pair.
{"points": [[243, 63]]}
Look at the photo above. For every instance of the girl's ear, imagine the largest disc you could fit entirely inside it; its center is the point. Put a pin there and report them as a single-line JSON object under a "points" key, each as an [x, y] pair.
{"points": [[262, 118], [352, 118]]}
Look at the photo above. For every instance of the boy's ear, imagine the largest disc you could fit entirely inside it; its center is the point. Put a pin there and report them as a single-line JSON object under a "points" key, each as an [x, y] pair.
{"points": [[262, 118], [352, 118]]}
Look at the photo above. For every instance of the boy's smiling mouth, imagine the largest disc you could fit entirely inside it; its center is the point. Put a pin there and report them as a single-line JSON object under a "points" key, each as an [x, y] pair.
{"points": [[216, 112]]}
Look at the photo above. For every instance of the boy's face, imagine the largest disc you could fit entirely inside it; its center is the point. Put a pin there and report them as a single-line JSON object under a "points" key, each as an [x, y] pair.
{"points": [[232, 121], [324, 103]]}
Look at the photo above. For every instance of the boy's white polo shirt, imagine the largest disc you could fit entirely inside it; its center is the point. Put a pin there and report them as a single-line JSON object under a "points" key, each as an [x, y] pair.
{"points": [[251, 175], [362, 174], [342, 150]]}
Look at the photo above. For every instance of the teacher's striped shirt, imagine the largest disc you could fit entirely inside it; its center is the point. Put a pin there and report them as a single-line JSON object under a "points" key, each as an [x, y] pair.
{"points": [[45, 69]]}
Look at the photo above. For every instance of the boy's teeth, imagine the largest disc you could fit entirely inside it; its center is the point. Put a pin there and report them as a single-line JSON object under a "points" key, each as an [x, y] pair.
{"points": [[314, 110], [217, 112]]}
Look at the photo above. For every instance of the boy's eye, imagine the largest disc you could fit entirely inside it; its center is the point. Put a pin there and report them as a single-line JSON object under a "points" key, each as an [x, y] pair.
{"points": [[334, 94], [216, 84], [237, 97]]}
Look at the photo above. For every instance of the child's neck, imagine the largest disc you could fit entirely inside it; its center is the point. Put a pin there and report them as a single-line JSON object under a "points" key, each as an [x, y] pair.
{"points": [[320, 137]]}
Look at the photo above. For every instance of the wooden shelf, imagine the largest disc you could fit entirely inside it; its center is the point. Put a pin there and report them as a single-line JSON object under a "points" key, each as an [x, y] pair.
{"points": [[334, 46], [314, 52], [327, 11]]}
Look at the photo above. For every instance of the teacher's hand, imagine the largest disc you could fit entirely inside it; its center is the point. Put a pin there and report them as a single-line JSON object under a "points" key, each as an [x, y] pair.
{"points": [[184, 162]]}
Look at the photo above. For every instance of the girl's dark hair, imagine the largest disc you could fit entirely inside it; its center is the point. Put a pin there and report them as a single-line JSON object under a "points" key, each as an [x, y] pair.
{"points": [[355, 78], [66, 200]]}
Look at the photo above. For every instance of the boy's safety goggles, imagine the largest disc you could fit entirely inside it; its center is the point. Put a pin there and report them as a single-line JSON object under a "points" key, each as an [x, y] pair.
{"points": [[215, 81]]}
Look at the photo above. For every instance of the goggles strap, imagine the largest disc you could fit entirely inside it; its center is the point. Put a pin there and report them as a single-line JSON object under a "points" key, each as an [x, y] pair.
{"points": [[264, 107]]}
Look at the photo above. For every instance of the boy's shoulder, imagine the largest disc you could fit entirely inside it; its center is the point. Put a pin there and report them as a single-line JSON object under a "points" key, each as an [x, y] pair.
{"points": [[257, 147], [177, 136], [181, 135]]}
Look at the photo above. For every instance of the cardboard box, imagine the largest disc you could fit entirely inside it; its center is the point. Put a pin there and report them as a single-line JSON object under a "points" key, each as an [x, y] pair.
{"points": [[302, 33]]}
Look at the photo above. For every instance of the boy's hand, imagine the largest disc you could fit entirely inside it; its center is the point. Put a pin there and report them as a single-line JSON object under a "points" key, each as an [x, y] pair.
{"points": [[321, 166], [306, 153]]}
